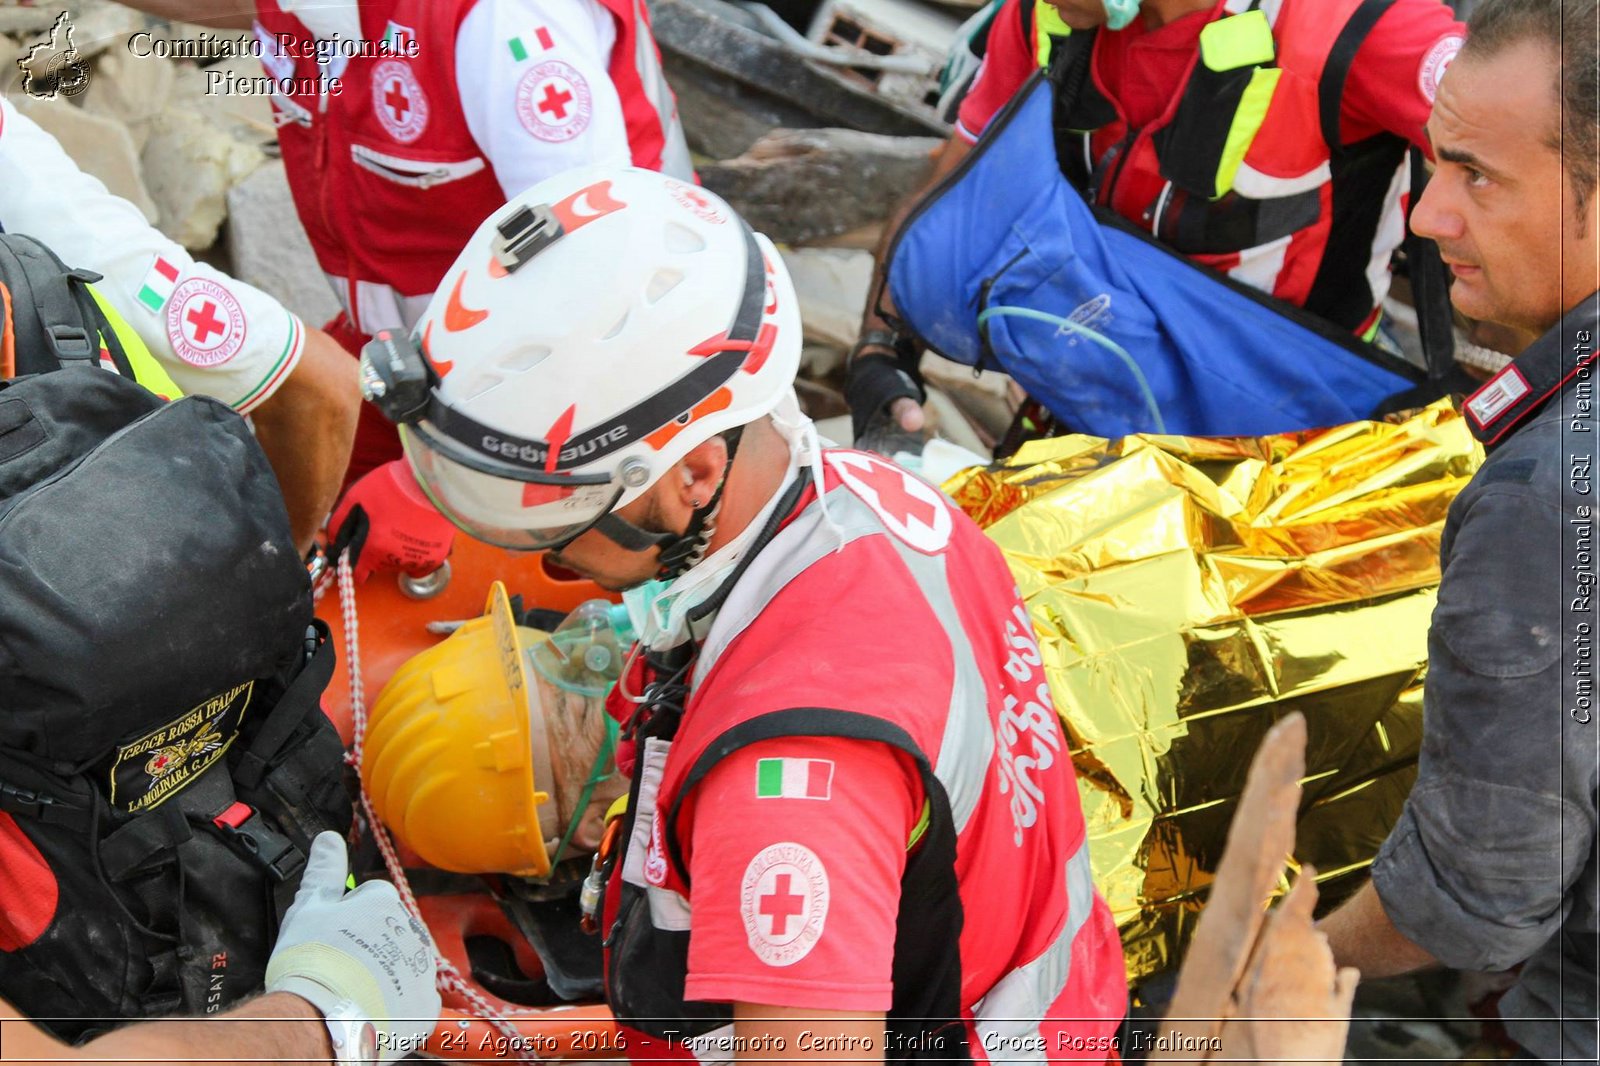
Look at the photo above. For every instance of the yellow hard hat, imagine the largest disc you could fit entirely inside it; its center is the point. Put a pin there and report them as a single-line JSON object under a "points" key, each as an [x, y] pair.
{"points": [[455, 751]]}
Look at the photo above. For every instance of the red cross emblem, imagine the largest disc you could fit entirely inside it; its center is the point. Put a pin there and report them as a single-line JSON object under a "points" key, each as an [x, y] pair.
{"points": [[890, 485], [555, 102], [696, 201], [398, 100], [911, 509], [205, 322], [780, 905], [783, 902], [395, 97]]}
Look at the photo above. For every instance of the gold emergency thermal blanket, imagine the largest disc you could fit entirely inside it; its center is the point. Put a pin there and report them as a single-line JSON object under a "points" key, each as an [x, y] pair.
{"points": [[1190, 591]]}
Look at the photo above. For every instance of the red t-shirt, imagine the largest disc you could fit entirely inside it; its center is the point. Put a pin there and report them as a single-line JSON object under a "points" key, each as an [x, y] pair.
{"points": [[867, 798], [1390, 88]]}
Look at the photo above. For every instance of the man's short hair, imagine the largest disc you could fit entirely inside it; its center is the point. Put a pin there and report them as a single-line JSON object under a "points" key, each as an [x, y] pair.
{"points": [[1568, 29]]}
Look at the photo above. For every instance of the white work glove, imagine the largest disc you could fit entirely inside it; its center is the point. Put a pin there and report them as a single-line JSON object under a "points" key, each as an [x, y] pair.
{"points": [[360, 947]]}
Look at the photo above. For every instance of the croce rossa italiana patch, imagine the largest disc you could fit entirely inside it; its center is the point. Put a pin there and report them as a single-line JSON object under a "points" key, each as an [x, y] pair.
{"points": [[157, 766]]}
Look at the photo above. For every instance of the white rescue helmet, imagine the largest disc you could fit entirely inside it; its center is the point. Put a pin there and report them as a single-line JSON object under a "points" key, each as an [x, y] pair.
{"points": [[594, 330]]}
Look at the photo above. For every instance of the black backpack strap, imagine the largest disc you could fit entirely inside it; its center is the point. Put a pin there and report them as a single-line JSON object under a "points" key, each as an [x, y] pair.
{"points": [[303, 695], [55, 320], [1430, 284], [1330, 91]]}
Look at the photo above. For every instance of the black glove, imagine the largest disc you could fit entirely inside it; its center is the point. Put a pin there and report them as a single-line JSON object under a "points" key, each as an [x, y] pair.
{"points": [[874, 381]]}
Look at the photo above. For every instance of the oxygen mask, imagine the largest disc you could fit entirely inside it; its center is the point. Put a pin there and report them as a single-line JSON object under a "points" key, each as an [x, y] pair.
{"points": [[586, 652]]}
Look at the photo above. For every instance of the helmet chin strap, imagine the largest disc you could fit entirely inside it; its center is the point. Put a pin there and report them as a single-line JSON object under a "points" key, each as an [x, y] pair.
{"points": [[679, 551]]}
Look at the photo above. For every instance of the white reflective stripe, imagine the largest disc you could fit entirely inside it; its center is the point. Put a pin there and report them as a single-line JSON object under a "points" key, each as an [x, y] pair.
{"points": [[968, 743], [415, 173], [1251, 183], [1391, 233], [1260, 266], [1010, 1016], [798, 545], [675, 160], [967, 747], [713, 1048], [668, 909], [378, 306], [652, 767]]}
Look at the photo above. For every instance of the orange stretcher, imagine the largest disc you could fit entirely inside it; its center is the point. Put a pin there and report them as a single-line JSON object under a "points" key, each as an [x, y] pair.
{"points": [[392, 627]]}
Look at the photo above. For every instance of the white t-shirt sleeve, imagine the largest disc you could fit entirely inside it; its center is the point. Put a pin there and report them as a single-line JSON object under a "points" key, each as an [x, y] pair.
{"points": [[214, 335], [535, 88]]}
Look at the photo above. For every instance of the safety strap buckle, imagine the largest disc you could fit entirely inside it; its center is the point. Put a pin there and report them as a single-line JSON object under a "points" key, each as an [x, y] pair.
{"points": [[71, 344], [243, 827], [40, 806]]}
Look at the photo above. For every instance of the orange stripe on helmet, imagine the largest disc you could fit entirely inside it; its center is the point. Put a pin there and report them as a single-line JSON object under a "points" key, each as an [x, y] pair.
{"points": [[457, 316], [720, 400]]}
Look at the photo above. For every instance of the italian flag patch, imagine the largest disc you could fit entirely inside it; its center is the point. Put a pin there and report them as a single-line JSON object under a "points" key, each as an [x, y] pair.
{"points": [[397, 38], [158, 284], [519, 50], [794, 779]]}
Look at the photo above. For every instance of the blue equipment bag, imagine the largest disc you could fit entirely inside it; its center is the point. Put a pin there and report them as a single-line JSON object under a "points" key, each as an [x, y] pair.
{"points": [[1006, 266]]}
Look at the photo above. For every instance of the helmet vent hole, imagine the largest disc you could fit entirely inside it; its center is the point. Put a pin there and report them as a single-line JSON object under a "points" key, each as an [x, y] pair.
{"points": [[611, 334], [483, 383], [682, 240], [664, 282], [524, 358]]}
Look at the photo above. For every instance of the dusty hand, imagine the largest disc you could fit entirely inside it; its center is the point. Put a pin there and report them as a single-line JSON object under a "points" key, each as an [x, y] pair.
{"points": [[359, 946], [1294, 1005]]}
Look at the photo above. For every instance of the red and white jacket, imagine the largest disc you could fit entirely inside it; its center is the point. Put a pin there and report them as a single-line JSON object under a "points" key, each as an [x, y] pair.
{"points": [[392, 173]]}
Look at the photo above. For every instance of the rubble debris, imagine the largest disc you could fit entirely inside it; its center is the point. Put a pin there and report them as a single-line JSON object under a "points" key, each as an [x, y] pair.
{"points": [[832, 285], [189, 165], [802, 185]]}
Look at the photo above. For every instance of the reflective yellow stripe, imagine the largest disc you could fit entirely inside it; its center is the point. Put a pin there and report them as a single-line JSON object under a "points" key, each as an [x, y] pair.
{"points": [[1246, 124], [1241, 41], [921, 826], [1372, 331], [146, 370], [1047, 23]]}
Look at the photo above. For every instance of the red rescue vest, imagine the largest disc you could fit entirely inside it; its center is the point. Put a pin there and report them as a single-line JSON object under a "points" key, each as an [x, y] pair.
{"points": [[980, 759], [386, 176]]}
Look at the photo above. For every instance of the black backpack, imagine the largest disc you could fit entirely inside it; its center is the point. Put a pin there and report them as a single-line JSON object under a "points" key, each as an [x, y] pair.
{"points": [[47, 314], [164, 760]]}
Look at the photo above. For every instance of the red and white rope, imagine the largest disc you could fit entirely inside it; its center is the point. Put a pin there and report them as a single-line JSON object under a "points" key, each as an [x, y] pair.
{"points": [[449, 978]]}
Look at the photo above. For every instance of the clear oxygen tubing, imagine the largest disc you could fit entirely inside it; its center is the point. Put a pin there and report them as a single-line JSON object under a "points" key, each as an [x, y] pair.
{"points": [[1008, 310]]}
